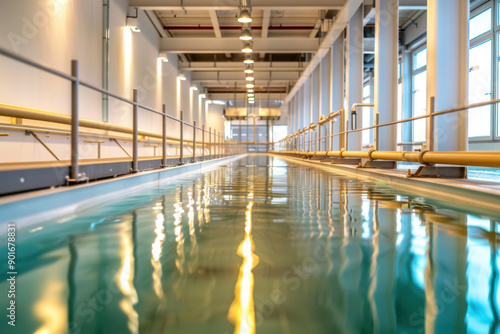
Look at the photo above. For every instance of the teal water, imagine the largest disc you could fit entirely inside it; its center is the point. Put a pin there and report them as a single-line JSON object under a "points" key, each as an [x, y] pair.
{"points": [[261, 245]]}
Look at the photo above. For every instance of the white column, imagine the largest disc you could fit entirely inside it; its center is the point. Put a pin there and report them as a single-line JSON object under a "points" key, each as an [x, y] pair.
{"points": [[324, 96], [386, 70], [306, 99], [447, 70], [354, 75], [337, 83], [315, 94]]}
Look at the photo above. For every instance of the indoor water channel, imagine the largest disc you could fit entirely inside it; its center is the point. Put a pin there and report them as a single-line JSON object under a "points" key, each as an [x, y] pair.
{"points": [[260, 245]]}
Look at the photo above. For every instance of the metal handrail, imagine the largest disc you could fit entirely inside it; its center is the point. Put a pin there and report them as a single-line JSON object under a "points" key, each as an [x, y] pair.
{"points": [[74, 118], [376, 126]]}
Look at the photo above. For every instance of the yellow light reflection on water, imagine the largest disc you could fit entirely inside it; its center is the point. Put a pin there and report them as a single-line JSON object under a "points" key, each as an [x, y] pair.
{"points": [[125, 279], [242, 310], [156, 249], [51, 309]]}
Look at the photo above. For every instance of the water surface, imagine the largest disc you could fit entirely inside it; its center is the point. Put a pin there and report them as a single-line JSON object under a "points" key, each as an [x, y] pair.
{"points": [[260, 246]]}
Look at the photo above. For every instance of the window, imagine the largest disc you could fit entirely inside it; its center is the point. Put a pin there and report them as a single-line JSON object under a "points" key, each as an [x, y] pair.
{"points": [[420, 59], [419, 106], [480, 24], [367, 116], [279, 132], [420, 94], [480, 71]]}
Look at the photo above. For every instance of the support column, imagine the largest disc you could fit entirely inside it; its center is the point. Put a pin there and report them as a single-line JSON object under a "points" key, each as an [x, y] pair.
{"points": [[354, 75], [324, 98], [386, 70], [406, 128], [315, 94], [447, 76], [337, 82]]}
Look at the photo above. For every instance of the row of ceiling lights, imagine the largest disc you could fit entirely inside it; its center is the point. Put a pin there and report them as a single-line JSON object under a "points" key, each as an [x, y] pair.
{"points": [[246, 36]]}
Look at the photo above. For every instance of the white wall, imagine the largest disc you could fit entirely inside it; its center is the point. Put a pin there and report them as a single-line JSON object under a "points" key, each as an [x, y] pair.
{"points": [[53, 32]]}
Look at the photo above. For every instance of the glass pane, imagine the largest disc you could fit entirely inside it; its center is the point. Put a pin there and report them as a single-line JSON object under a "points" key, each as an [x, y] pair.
{"points": [[480, 24], [400, 111], [419, 106], [480, 89], [366, 92], [279, 132], [420, 59]]}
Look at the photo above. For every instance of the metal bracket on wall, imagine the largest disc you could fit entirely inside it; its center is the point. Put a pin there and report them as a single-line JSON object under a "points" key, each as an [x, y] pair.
{"points": [[123, 148], [448, 172], [381, 164], [98, 142], [29, 132], [347, 161]]}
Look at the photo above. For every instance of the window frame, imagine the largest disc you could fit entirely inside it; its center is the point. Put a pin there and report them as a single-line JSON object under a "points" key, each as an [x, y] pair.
{"points": [[493, 36]]}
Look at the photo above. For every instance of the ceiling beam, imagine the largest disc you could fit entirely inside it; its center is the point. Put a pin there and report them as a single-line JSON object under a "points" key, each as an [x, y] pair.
{"points": [[233, 45], [215, 23], [266, 20], [240, 76], [337, 28], [260, 66], [234, 4], [259, 4]]}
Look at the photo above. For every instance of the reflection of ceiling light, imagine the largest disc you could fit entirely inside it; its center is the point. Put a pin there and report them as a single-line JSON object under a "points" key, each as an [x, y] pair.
{"points": [[250, 91], [251, 102], [245, 16], [249, 77], [219, 102], [251, 95], [248, 69], [181, 76], [250, 85], [247, 47], [246, 35], [248, 59], [132, 24]]}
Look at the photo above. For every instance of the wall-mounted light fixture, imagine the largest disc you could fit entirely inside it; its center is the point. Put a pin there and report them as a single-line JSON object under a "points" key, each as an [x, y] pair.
{"points": [[181, 76], [163, 57], [132, 22], [194, 87], [203, 96]]}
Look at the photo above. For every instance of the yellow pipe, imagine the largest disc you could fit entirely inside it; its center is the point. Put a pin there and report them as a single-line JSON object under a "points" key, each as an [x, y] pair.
{"points": [[355, 154], [46, 116], [464, 158]]}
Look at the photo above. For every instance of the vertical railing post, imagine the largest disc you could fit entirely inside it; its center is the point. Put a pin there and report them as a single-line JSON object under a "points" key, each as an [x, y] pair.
{"points": [[135, 134], [202, 142], [74, 122], [218, 145], [181, 150], [318, 139], [209, 142], [330, 139], [430, 124], [376, 132], [194, 141], [164, 137]]}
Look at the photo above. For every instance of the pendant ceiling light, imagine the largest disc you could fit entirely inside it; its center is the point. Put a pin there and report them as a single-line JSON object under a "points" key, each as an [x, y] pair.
{"points": [[247, 48], [248, 59], [245, 16], [246, 34]]}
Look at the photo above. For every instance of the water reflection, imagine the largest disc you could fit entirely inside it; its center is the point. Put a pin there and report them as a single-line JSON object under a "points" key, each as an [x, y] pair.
{"points": [[334, 254], [242, 312]]}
